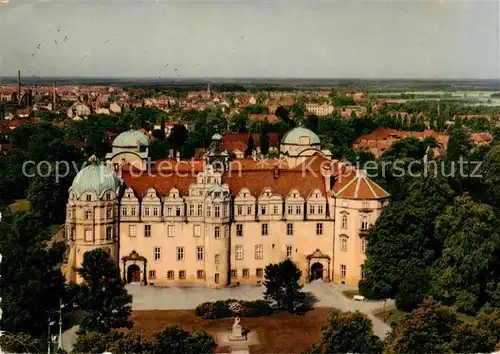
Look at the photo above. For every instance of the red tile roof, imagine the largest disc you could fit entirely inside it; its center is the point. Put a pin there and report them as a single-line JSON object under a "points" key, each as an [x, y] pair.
{"points": [[260, 117], [354, 184], [233, 141]]}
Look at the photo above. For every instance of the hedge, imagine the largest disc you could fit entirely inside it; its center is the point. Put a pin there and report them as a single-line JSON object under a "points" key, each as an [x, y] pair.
{"points": [[232, 308]]}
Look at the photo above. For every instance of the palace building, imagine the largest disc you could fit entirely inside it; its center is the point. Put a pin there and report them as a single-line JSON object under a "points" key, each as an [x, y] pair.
{"points": [[218, 221]]}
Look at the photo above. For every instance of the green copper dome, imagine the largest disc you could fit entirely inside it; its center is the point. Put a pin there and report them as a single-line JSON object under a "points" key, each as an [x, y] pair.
{"points": [[300, 136], [130, 138], [96, 178]]}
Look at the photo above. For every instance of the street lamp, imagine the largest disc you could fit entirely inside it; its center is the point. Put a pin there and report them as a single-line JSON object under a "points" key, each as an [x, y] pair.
{"points": [[49, 339], [59, 341]]}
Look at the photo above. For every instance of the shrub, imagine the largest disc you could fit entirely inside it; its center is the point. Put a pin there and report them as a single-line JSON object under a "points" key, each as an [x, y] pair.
{"points": [[230, 308]]}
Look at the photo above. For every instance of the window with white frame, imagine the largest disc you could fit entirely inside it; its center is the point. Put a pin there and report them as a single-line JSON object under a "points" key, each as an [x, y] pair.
{"points": [[89, 197], [178, 211], [344, 222], [319, 229], [209, 210], [180, 253], [258, 252], [157, 253], [169, 211], [88, 214], [259, 272], [217, 232], [146, 211], [226, 210], [109, 233], [199, 210], [290, 209], [152, 274], [343, 270], [197, 230], [226, 231], [170, 274], [239, 230], [217, 259], [108, 196], [182, 274], [239, 252], [320, 209], [246, 273], [289, 251], [289, 229], [156, 211], [88, 235], [200, 274], [171, 230], [364, 242], [147, 230], [343, 243], [276, 210], [239, 210], [298, 209], [249, 210], [191, 209], [199, 253], [364, 223], [217, 211], [124, 210], [234, 273], [264, 230], [109, 212], [132, 211], [132, 231], [263, 210], [312, 209]]}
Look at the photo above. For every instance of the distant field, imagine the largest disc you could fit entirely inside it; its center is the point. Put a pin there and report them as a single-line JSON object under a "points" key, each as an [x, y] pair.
{"points": [[19, 206]]}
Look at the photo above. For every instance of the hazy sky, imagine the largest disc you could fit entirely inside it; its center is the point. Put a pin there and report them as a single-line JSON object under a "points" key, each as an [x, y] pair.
{"points": [[309, 39]]}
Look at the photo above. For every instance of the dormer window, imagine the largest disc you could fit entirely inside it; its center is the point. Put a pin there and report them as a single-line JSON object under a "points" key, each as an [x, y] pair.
{"points": [[132, 211], [89, 197], [178, 211], [217, 211], [146, 211], [108, 196], [217, 194], [263, 210], [124, 211], [298, 209], [320, 209], [312, 209]]}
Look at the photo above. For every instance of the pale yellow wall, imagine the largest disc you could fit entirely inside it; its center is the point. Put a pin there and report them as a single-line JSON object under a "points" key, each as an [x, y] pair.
{"points": [[304, 240]]}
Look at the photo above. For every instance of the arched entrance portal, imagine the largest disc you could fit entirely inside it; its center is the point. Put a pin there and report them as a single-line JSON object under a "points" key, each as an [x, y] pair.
{"points": [[318, 266], [133, 274], [316, 271], [132, 268]]}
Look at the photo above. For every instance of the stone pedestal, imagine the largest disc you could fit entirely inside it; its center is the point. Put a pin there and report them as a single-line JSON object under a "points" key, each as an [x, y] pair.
{"points": [[236, 334]]}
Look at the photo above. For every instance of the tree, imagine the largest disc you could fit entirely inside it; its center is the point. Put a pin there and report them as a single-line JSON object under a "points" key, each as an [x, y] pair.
{"points": [[434, 328], [467, 271], [174, 340], [238, 123], [264, 138], [347, 332], [250, 146], [30, 272], [177, 137], [403, 241], [102, 295], [458, 144], [282, 285], [492, 176], [312, 122]]}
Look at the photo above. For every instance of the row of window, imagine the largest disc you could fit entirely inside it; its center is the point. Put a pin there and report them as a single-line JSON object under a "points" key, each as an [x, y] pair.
{"points": [[364, 222], [89, 235], [259, 252], [259, 272], [343, 244], [217, 230]]}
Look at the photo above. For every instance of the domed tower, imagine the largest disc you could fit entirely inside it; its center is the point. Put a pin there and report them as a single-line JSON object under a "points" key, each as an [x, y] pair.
{"points": [[217, 157], [299, 144], [92, 215], [130, 147]]}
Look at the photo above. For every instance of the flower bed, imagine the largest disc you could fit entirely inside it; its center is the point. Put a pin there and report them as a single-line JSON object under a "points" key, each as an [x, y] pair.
{"points": [[231, 308]]}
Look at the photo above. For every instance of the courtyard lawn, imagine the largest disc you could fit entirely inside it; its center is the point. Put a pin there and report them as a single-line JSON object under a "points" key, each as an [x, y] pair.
{"points": [[279, 333], [19, 206]]}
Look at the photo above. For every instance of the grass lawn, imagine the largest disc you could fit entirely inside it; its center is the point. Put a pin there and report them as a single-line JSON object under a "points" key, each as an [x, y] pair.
{"points": [[280, 333], [19, 205]]}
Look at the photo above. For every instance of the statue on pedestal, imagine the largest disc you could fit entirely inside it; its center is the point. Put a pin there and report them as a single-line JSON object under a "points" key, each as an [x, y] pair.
{"points": [[236, 334]]}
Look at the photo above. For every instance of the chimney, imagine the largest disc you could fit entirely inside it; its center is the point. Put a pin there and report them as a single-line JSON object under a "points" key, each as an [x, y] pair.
{"points": [[19, 86], [138, 146], [276, 172]]}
